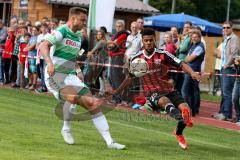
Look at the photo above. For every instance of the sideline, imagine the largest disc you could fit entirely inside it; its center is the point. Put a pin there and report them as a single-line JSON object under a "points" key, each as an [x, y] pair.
{"points": [[170, 135]]}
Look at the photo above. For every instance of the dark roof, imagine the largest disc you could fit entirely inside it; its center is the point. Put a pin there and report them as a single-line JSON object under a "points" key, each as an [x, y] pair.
{"points": [[121, 5]]}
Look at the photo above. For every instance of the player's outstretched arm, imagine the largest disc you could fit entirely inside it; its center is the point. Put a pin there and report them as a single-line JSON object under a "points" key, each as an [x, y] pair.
{"points": [[44, 49], [187, 69], [125, 84]]}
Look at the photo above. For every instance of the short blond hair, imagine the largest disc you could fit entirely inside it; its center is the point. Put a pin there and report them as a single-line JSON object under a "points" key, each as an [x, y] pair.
{"points": [[76, 10], [197, 32], [169, 34]]}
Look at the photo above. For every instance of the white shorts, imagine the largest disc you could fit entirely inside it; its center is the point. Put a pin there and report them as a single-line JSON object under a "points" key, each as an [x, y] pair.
{"points": [[60, 80]]}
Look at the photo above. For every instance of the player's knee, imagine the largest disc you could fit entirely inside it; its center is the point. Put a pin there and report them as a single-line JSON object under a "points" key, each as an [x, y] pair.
{"points": [[90, 103], [163, 101], [184, 106], [72, 99]]}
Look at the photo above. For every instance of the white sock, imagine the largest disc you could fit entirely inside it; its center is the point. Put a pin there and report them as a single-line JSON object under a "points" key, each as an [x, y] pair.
{"points": [[67, 115], [102, 85], [66, 125], [101, 124]]}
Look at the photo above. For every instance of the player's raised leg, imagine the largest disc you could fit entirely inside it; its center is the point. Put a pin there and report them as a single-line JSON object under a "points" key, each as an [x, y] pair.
{"points": [[175, 113], [71, 95]]}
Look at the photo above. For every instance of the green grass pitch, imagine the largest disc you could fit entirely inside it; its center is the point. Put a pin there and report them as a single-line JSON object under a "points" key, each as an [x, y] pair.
{"points": [[29, 130]]}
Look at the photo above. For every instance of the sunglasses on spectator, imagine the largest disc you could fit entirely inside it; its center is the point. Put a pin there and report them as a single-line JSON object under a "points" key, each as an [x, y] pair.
{"points": [[226, 27]]}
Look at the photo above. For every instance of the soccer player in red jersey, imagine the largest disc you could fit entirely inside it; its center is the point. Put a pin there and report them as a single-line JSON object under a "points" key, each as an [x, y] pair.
{"points": [[160, 93]]}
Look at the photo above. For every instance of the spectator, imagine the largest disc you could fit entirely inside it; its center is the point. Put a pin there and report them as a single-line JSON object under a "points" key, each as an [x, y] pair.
{"points": [[117, 43], [84, 49], [45, 20], [21, 23], [85, 42], [15, 67], [98, 55], [195, 57], [217, 70], [104, 29], [236, 90], [38, 24], [3, 37], [185, 44], [168, 43], [182, 52], [14, 22], [133, 45], [53, 24], [32, 62], [7, 53], [41, 62], [175, 36], [29, 25], [205, 47], [22, 57], [229, 51], [140, 22], [134, 41], [61, 22], [171, 48]]}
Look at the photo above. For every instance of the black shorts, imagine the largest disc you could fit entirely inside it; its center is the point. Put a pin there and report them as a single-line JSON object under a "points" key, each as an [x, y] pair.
{"points": [[175, 98]]}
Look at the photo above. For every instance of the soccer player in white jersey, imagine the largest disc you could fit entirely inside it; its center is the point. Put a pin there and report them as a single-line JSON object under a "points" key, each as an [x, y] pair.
{"points": [[61, 79]]}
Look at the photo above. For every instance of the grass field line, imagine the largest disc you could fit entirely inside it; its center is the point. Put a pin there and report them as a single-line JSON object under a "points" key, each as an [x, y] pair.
{"points": [[167, 134]]}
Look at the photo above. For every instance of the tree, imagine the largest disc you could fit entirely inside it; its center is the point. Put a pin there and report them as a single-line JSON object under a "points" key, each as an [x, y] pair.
{"points": [[212, 10], [185, 6]]}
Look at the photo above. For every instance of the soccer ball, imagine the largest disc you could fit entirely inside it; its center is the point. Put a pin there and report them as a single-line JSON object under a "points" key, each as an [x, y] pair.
{"points": [[138, 67]]}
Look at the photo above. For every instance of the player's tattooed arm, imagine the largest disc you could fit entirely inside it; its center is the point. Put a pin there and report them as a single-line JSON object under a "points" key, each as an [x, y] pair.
{"points": [[44, 49]]}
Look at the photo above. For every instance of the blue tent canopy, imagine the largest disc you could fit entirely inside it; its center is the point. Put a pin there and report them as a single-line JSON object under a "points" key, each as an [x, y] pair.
{"points": [[165, 21]]}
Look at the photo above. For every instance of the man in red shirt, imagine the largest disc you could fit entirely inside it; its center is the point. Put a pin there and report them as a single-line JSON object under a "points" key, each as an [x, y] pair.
{"points": [[160, 93], [116, 55]]}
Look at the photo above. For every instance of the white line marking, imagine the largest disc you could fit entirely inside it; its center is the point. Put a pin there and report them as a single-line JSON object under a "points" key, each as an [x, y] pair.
{"points": [[167, 134]]}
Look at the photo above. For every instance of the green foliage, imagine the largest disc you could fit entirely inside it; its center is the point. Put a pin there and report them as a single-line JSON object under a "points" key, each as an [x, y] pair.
{"points": [[212, 10], [165, 6]]}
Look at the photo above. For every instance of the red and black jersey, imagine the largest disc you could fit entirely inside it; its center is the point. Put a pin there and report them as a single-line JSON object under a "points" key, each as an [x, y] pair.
{"points": [[155, 81]]}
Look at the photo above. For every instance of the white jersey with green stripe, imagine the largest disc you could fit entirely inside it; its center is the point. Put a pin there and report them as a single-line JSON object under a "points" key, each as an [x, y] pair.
{"points": [[66, 47]]}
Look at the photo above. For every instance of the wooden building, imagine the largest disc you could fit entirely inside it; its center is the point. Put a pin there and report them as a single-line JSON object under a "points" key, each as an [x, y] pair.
{"points": [[34, 10]]}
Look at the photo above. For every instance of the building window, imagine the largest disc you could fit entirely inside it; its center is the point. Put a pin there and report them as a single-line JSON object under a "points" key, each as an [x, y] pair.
{"points": [[23, 14]]}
